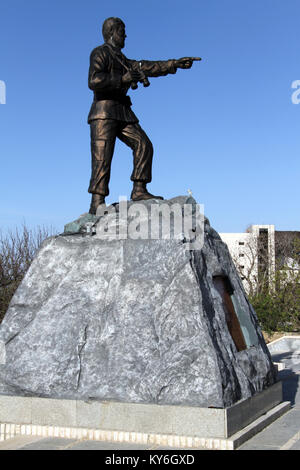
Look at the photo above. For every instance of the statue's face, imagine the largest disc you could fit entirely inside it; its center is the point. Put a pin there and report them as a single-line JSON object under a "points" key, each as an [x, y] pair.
{"points": [[118, 37]]}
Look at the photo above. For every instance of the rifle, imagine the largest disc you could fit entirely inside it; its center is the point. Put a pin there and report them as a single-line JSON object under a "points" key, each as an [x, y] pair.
{"points": [[143, 78]]}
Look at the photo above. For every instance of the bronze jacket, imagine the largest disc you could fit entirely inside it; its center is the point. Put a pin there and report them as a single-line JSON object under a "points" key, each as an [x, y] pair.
{"points": [[105, 79]]}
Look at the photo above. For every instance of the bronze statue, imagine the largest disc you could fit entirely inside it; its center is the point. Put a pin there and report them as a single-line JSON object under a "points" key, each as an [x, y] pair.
{"points": [[111, 75]]}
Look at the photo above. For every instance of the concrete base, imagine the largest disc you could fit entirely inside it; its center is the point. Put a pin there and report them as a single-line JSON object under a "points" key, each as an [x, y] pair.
{"points": [[174, 426]]}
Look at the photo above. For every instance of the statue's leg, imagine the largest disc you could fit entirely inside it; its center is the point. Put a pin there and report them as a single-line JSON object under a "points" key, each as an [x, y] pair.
{"points": [[134, 136], [103, 137]]}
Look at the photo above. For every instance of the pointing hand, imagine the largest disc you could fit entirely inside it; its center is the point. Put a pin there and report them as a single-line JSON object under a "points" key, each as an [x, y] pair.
{"points": [[186, 62]]}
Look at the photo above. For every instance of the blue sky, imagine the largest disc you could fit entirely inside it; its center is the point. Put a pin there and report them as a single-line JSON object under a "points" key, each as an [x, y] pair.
{"points": [[226, 129]]}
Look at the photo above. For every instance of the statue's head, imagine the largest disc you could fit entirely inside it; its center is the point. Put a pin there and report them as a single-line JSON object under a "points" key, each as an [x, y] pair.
{"points": [[113, 31]]}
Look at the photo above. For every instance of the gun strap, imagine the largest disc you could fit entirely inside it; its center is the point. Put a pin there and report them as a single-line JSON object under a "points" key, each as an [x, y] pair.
{"points": [[115, 56]]}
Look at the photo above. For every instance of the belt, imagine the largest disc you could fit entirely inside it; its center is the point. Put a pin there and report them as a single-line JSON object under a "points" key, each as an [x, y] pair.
{"points": [[122, 99]]}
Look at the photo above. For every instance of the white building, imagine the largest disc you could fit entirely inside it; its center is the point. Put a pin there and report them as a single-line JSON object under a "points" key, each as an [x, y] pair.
{"points": [[244, 249]]}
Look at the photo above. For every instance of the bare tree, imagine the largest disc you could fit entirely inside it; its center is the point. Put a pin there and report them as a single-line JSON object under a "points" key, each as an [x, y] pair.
{"points": [[17, 250]]}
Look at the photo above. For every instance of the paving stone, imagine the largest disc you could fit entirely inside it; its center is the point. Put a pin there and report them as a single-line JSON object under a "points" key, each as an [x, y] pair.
{"points": [[291, 389], [51, 443], [95, 445], [296, 446], [278, 433], [251, 446], [18, 442]]}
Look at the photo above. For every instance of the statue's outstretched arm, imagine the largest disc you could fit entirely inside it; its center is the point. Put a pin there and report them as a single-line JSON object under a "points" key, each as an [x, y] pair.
{"points": [[163, 67], [157, 68]]}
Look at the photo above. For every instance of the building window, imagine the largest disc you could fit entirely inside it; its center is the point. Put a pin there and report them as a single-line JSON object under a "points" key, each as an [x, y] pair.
{"points": [[241, 243]]}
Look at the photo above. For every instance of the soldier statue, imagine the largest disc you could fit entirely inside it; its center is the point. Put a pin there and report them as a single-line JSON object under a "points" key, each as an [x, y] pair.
{"points": [[111, 75]]}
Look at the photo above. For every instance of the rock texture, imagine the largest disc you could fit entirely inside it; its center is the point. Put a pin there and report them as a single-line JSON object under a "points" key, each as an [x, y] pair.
{"points": [[130, 320]]}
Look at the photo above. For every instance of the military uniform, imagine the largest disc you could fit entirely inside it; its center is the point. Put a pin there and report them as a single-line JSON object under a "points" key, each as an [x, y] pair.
{"points": [[111, 115]]}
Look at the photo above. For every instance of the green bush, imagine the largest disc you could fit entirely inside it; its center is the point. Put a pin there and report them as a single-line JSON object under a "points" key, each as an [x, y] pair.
{"points": [[278, 306]]}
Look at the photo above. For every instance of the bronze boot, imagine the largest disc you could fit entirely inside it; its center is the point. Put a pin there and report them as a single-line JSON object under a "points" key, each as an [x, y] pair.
{"points": [[97, 200], [140, 193]]}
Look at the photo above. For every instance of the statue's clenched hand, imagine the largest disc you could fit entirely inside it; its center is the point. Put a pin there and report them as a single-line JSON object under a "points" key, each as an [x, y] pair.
{"points": [[130, 77]]}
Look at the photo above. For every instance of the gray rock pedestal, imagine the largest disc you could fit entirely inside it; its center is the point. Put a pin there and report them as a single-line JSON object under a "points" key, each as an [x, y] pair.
{"points": [[132, 320]]}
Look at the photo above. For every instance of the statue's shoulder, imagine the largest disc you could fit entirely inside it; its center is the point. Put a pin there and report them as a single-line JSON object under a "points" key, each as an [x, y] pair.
{"points": [[100, 50]]}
